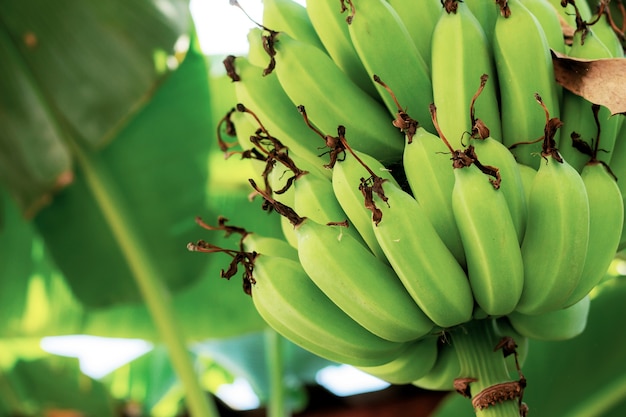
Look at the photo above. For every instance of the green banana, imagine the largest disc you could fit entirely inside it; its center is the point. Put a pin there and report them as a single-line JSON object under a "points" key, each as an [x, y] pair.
{"points": [[567, 11], [270, 246], [447, 368], [618, 167], [242, 127], [257, 55], [549, 20], [277, 179], [417, 254], [524, 67], [314, 198], [486, 228], [493, 153], [604, 31], [346, 179], [606, 220], [419, 22], [371, 24], [332, 30], [461, 54], [579, 120], [264, 96], [367, 289], [291, 304], [292, 18], [557, 231], [431, 180], [346, 271], [311, 78], [562, 324], [413, 363], [486, 12], [527, 174], [427, 171]]}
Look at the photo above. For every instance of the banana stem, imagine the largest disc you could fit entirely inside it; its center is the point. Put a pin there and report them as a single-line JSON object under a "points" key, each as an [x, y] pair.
{"points": [[148, 279], [276, 406], [475, 344]]}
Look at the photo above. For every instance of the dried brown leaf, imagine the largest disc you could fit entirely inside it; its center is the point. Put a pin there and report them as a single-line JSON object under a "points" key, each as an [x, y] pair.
{"points": [[601, 81]]}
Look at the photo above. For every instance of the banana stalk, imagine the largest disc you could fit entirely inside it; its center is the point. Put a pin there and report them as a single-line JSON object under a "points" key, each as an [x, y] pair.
{"points": [[484, 377]]}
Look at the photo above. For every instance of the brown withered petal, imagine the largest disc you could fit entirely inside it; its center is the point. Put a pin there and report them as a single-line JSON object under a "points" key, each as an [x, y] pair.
{"points": [[601, 81]]}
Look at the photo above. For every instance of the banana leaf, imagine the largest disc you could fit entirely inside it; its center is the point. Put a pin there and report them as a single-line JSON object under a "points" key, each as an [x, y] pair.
{"points": [[76, 71], [38, 386]]}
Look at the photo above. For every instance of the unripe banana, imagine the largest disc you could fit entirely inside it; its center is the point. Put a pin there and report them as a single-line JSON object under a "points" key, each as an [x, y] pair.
{"points": [[527, 174], [492, 152], [413, 363], [291, 304], [270, 246], [554, 325], [577, 114], [428, 173], [549, 20], [311, 78], [314, 198], [257, 55], [330, 25], [244, 127], [568, 13], [461, 54], [618, 167], [494, 261], [266, 98], [419, 22], [371, 24], [524, 66], [604, 31], [486, 227], [427, 170], [557, 233], [606, 220], [292, 18], [486, 12], [277, 179], [367, 289], [425, 266], [346, 180], [447, 368]]}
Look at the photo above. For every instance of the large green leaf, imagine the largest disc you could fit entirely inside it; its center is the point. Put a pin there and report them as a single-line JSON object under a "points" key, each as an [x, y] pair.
{"points": [[75, 70], [581, 377], [152, 181], [145, 380], [34, 297], [38, 386], [36, 301]]}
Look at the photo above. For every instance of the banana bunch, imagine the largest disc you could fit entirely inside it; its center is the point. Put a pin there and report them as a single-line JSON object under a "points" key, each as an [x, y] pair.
{"points": [[425, 186]]}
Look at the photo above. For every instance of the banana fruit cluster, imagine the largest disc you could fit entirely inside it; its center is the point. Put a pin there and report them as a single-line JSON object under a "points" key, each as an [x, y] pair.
{"points": [[496, 199]]}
